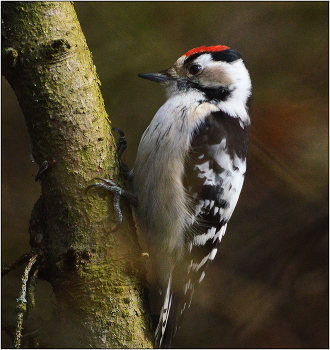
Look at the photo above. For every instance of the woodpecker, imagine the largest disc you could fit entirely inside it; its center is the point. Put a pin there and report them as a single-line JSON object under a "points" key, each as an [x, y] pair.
{"points": [[189, 171]]}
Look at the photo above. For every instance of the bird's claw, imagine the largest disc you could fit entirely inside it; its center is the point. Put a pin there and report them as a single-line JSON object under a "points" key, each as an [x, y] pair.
{"points": [[110, 186], [121, 143], [45, 166], [118, 192]]}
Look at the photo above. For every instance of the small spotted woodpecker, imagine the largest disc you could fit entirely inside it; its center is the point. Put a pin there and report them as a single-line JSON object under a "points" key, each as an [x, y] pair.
{"points": [[189, 171]]}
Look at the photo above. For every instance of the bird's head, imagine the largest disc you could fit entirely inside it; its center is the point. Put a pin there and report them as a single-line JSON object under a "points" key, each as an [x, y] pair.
{"points": [[218, 72]]}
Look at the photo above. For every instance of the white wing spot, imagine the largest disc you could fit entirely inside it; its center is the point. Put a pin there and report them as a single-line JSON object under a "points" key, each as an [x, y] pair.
{"points": [[220, 233], [201, 278], [196, 266], [187, 287], [213, 253], [201, 239]]}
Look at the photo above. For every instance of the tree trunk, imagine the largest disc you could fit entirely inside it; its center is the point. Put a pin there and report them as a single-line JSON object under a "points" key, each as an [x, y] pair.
{"points": [[100, 288]]}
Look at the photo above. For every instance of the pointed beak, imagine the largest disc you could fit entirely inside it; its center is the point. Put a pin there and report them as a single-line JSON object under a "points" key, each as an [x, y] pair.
{"points": [[157, 77]]}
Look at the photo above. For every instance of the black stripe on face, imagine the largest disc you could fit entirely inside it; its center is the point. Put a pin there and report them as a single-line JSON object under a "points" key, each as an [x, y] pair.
{"points": [[215, 94], [211, 94]]}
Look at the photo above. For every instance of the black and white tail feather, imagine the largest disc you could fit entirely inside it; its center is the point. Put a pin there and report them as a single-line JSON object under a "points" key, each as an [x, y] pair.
{"points": [[162, 339], [189, 172]]}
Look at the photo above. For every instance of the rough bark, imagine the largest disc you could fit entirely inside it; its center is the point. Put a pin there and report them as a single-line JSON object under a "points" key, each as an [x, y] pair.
{"points": [[99, 287]]}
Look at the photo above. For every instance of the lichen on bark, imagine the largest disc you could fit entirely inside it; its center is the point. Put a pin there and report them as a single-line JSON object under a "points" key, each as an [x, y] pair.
{"points": [[99, 286]]}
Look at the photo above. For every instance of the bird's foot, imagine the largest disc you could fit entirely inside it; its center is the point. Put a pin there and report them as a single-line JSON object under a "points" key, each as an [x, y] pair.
{"points": [[118, 192]]}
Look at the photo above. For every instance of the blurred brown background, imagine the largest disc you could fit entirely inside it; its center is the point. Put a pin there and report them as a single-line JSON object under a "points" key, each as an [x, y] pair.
{"points": [[268, 287]]}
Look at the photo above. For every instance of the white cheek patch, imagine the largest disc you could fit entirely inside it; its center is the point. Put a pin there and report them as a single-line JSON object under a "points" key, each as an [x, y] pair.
{"points": [[240, 89]]}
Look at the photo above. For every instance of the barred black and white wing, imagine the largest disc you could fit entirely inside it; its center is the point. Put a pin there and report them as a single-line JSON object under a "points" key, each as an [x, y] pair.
{"points": [[214, 174]]}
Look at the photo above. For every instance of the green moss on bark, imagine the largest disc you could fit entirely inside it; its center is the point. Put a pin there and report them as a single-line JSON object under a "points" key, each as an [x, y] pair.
{"points": [[101, 303]]}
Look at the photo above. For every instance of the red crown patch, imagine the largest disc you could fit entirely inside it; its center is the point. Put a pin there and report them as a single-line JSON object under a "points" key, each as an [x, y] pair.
{"points": [[206, 49]]}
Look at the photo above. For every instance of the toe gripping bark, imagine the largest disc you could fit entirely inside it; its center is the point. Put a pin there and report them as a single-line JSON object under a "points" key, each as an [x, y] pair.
{"points": [[110, 186]]}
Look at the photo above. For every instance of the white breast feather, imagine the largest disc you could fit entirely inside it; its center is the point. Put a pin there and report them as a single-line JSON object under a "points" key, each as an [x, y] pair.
{"points": [[162, 171]]}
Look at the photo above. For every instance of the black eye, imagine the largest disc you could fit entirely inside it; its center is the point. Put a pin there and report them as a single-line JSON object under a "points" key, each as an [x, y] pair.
{"points": [[195, 69]]}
